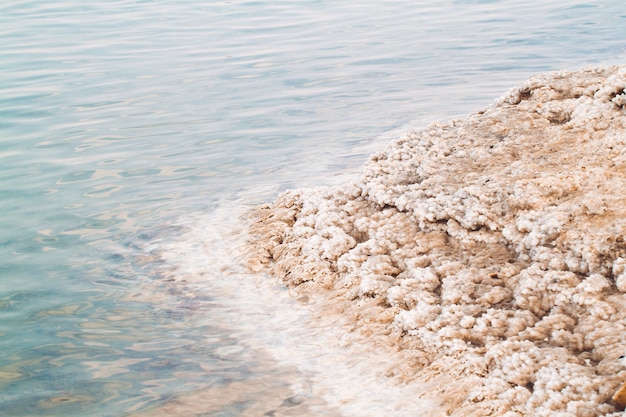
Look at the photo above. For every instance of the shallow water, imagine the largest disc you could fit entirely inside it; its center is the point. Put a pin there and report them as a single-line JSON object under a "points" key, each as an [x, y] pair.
{"points": [[126, 124]]}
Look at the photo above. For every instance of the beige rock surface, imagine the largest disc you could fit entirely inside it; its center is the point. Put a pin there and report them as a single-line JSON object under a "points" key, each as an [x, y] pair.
{"points": [[620, 396], [490, 249]]}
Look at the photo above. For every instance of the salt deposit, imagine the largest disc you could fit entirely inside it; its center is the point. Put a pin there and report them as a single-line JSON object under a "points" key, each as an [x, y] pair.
{"points": [[489, 250]]}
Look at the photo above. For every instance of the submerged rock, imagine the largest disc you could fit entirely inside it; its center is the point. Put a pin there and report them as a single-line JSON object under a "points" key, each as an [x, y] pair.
{"points": [[490, 248]]}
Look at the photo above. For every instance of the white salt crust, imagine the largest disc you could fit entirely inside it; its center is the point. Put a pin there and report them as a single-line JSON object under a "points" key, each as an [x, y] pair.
{"points": [[490, 249]]}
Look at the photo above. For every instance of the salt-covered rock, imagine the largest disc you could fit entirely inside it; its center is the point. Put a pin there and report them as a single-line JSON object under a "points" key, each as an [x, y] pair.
{"points": [[492, 247]]}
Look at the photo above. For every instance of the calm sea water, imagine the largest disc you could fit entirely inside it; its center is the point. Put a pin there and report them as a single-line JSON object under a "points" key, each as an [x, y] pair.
{"points": [[125, 124]]}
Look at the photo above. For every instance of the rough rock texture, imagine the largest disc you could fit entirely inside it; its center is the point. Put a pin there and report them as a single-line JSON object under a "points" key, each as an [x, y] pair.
{"points": [[620, 396], [491, 249]]}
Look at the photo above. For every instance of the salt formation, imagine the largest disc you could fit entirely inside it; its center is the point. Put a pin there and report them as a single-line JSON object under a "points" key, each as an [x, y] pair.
{"points": [[489, 249]]}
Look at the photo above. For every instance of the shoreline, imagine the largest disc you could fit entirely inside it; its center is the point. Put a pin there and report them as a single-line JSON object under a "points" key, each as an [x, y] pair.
{"points": [[487, 249]]}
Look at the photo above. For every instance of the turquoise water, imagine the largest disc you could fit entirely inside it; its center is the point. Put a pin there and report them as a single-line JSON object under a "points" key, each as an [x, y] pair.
{"points": [[120, 118]]}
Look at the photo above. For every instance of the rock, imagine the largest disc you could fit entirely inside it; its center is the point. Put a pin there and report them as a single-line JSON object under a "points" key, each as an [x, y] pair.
{"points": [[620, 396]]}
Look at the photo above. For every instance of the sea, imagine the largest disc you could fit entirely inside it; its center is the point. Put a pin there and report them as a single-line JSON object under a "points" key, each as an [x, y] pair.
{"points": [[135, 135]]}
